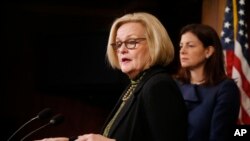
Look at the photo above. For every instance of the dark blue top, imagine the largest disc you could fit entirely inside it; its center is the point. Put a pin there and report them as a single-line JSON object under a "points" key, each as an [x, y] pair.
{"points": [[213, 110]]}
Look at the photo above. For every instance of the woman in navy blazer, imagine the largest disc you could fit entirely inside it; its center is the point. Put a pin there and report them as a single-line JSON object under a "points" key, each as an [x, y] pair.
{"points": [[212, 99]]}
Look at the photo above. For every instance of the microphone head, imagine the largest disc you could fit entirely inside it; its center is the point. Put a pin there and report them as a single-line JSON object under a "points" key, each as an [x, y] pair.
{"points": [[57, 119], [45, 113]]}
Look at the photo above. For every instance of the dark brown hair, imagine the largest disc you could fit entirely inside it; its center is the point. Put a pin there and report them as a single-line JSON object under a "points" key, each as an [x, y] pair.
{"points": [[214, 67]]}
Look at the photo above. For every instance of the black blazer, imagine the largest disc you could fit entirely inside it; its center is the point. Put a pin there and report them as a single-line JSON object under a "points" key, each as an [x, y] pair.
{"points": [[155, 112]]}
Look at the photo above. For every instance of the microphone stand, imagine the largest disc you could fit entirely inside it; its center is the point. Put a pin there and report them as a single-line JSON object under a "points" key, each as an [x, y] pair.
{"points": [[35, 131], [45, 113], [22, 127], [55, 120]]}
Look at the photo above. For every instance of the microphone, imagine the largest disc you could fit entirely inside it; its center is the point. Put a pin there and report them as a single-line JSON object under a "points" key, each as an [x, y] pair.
{"points": [[57, 119], [45, 113]]}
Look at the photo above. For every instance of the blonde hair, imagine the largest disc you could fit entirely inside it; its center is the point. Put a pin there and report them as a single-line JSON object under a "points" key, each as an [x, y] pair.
{"points": [[161, 48]]}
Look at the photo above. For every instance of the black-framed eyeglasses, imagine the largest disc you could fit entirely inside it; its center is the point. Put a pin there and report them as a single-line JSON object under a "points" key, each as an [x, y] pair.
{"points": [[129, 43]]}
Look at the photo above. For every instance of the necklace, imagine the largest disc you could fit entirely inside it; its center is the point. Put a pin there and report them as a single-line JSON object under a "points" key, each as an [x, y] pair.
{"points": [[198, 82], [129, 92], [131, 88], [124, 99]]}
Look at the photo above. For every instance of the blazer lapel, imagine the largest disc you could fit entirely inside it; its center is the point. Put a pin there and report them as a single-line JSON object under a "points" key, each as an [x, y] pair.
{"points": [[128, 104], [122, 113], [190, 93], [191, 96]]}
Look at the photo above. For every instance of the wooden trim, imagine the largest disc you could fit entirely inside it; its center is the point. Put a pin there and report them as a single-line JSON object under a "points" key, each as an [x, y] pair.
{"points": [[213, 13]]}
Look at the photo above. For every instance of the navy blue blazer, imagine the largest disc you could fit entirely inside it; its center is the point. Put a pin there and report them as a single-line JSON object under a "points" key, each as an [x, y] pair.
{"points": [[155, 112], [213, 110]]}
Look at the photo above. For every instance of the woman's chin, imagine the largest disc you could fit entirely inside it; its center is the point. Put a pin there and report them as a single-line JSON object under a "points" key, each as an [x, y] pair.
{"points": [[126, 71]]}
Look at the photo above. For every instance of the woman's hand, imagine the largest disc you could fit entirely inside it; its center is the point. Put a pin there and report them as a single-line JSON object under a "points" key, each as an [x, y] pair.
{"points": [[54, 139], [93, 137]]}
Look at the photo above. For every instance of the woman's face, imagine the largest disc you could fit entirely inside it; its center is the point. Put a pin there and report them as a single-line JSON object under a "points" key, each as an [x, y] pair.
{"points": [[134, 60], [192, 52]]}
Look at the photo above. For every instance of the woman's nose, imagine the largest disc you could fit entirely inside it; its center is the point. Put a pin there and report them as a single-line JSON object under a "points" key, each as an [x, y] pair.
{"points": [[123, 49], [182, 50]]}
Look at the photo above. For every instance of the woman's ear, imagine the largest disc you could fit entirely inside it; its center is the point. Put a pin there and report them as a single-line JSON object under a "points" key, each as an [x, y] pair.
{"points": [[209, 51]]}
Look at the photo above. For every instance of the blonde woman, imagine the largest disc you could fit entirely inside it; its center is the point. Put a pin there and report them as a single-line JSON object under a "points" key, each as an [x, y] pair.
{"points": [[151, 108]]}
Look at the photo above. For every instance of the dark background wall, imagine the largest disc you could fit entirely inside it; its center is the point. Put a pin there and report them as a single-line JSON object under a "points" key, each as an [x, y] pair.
{"points": [[53, 55]]}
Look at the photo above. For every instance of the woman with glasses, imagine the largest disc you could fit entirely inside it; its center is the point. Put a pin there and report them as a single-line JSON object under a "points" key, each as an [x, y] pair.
{"points": [[212, 99], [151, 108]]}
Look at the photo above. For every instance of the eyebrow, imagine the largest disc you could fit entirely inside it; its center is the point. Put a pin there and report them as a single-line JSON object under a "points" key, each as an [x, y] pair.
{"points": [[130, 36], [189, 42]]}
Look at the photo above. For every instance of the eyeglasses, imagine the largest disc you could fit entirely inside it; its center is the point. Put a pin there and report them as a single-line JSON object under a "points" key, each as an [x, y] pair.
{"points": [[129, 43]]}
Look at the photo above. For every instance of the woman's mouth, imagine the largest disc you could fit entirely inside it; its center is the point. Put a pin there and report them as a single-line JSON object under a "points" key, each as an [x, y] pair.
{"points": [[125, 60]]}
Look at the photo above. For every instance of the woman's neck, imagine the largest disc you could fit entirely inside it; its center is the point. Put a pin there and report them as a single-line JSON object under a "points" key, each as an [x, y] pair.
{"points": [[197, 76], [136, 74]]}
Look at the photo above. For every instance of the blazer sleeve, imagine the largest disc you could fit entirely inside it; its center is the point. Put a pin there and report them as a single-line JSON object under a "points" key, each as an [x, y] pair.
{"points": [[165, 109], [226, 111]]}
